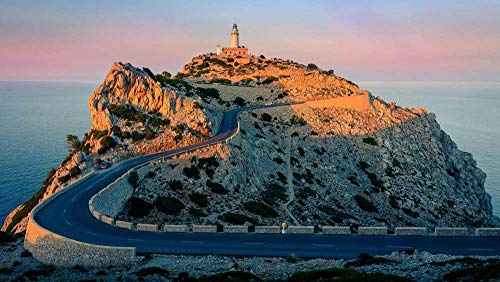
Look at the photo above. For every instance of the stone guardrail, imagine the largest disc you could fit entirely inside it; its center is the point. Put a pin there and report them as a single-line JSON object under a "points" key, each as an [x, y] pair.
{"points": [[411, 231], [488, 232], [175, 228], [51, 248], [146, 227], [372, 230], [205, 228], [235, 229], [267, 229], [451, 231], [300, 229], [337, 230]]}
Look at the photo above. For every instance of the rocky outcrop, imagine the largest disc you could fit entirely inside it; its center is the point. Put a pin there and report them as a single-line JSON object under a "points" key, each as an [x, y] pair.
{"points": [[148, 116]]}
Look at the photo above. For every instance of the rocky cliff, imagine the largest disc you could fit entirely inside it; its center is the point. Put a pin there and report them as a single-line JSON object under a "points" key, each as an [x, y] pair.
{"points": [[132, 113], [341, 157]]}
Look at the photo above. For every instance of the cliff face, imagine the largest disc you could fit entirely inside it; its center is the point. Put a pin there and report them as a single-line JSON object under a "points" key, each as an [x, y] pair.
{"points": [[131, 114], [342, 157]]}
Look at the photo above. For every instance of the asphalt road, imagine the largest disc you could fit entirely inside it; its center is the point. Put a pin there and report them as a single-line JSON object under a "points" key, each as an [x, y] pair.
{"points": [[68, 215]]}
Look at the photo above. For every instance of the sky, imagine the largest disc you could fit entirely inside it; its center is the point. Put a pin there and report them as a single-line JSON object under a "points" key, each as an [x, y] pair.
{"points": [[366, 41]]}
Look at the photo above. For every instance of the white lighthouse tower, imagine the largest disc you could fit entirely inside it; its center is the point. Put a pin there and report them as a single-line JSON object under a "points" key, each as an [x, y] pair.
{"points": [[235, 37]]}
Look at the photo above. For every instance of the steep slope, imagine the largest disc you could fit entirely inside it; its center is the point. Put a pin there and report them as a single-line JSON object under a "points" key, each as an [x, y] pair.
{"points": [[132, 113]]}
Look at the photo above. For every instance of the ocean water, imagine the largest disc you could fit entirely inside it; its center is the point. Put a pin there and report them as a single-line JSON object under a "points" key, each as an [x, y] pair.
{"points": [[35, 118]]}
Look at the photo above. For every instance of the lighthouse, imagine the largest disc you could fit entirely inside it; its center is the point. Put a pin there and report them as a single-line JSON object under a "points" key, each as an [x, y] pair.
{"points": [[235, 50], [235, 37]]}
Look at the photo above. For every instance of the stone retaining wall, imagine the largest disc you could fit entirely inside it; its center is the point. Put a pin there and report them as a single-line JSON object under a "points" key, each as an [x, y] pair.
{"points": [[487, 231], [146, 227], [51, 248], [300, 230], [372, 230], [411, 231], [236, 229], [451, 231], [205, 228], [267, 229], [175, 228], [124, 224], [337, 230]]}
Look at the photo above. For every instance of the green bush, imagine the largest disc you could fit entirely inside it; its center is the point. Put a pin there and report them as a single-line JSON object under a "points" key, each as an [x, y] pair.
{"points": [[152, 270], [291, 258], [395, 162], [133, 178], [279, 160], [370, 140], [157, 121], [393, 202], [296, 120], [169, 205], [191, 172], [343, 274], [196, 212], [149, 72], [353, 180], [137, 136], [260, 209], [200, 199], [364, 204], [273, 193], [6, 237], [237, 219], [223, 81], [217, 188], [363, 165], [74, 145], [240, 101], [366, 259], [137, 207], [126, 113], [106, 143], [98, 134], [411, 213], [487, 271], [64, 178], [266, 117], [175, 185], [74, 171], [281, 177], [269, 80], [31, 202], [305, 192], [149, 134], [208, 92]]}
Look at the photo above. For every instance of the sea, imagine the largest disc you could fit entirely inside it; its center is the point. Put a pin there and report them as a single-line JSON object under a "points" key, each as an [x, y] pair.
{"points": [[35, 118]]}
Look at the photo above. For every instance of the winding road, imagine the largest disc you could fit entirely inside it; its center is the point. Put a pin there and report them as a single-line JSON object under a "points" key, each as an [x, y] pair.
{"points": [[68, 215]]}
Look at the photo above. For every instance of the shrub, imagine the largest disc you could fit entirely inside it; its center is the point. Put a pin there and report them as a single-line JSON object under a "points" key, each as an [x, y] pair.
{"points": [[273, 193], [156, 121], [484, 272], [393, 202], [377, 183], [74, 145], [150, 174], [266, 117], [395, 162], [312, 67], [363, 165], [74, 171], [133, 178], [208, 92], [353, 180], [279, 160], [240, 101], [409, 212], [364, 204], [98, 134], [106, 143], [366, 259], [137, 207], [223, 81], [149, 134], [281, 177], [216, 187], [260, 209], [64, 178], [291, 258], [296, 120], [269, 80], [197, 212], [6, 237], [169, 205], [126, 113], [137, 136], [301, 151], [370, 140], [305, 193], [152, 270], [149, 72], [199, 199], [238, 219], [191, 172], [175, 185]]}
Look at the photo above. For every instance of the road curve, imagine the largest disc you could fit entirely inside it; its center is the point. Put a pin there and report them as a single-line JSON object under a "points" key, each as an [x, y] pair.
{"points": [[68, 215]]}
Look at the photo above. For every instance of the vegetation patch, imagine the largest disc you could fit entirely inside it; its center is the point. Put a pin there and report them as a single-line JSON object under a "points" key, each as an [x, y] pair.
{"points": [[137, 207], [31, 202], [169, 205], [370, 140], [6, 237], [200, 199], [365, 204], [305, 192], [217, 188], [481, 272], [175, 185], [106, 143], [233, 276], [237, 219], [273, 194], [197, 212], [366, 259], [133, 178], [191, 172], [152, 270], [260, 209], [208, 92], [126, 112], [411, 213]]}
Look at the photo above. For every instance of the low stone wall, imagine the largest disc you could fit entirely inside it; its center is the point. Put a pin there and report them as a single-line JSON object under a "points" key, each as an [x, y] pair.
{"points": [[175, 228], [124, 224], [300, 230], [236, 229], [336, 230], [146, 227], [451, 231], [267, 229], [205, 228], [107, 219], [372, 230], [411, 231], [51, 248], [487, 231]]}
